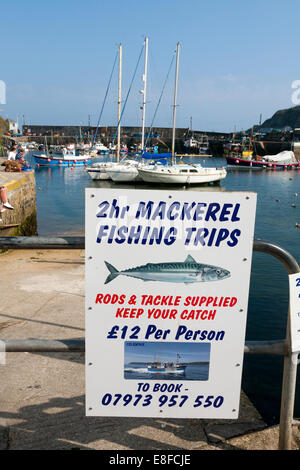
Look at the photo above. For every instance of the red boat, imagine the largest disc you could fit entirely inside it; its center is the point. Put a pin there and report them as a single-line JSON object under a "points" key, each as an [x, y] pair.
{"points": [[279, 162]]}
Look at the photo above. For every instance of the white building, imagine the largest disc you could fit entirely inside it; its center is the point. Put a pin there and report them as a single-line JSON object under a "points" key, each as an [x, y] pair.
{"points": [[13, 126]]}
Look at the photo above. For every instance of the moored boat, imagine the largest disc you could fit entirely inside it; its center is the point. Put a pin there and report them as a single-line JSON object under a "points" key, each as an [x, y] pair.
{"points": [[69, 158], [99, 148], [282, 161], [99, 171], [181, 174], [167, 367], [126, 171]]}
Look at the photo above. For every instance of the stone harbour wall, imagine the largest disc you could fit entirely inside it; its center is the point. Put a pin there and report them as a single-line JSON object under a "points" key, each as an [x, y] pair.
{"points": [[21, 192]]}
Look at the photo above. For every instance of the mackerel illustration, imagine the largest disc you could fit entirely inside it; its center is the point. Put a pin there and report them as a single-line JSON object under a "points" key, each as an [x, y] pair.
{"points": [[187, 272]]}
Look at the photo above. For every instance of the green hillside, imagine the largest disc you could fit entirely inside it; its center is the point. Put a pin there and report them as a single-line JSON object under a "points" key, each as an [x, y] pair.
{"points": [[282, 118]]}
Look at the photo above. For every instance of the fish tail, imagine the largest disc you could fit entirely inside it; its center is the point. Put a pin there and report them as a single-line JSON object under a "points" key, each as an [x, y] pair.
{"points": [[113, 272]]}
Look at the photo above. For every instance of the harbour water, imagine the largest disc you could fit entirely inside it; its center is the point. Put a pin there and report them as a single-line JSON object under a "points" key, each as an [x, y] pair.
{"points": [[60, 210]]}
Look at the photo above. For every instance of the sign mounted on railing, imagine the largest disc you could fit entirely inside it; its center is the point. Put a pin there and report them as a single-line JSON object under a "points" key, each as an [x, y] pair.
{"points": [[294, 282], [167, 284]]}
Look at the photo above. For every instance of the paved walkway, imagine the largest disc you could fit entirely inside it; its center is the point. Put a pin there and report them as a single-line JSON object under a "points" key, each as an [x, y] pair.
{"points": [[42, 395]]}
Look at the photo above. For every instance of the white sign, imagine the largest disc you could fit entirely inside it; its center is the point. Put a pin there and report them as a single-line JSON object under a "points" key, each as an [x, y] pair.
{"points": [[294, 281], [167, 283]]}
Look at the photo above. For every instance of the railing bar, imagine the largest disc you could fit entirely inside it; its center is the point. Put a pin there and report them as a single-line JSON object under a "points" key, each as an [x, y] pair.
{"points": [[279, 253], [46, 243], [277, 347]]}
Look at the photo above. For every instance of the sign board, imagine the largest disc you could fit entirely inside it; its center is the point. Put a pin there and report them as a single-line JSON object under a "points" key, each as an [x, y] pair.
{"points": [[294, 282], [167, 283]]}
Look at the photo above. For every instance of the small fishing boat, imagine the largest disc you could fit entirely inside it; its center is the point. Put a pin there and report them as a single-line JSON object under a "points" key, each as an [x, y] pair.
{"points": [[190, 142], [282, 161], [204, 146], [167, 367], [69, 158], [99, 148], [156, 367]]}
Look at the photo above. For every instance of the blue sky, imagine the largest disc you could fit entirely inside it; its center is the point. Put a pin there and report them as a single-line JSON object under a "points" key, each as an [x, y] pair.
{"points": [[237, 60]]}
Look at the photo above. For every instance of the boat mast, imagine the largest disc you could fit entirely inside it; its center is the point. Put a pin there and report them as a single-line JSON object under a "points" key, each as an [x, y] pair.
{"points": [[46, 144], [144, 93], [119, 102], [175, 104]]}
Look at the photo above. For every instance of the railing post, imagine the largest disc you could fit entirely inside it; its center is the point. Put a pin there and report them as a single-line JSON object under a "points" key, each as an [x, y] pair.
{"points": [[288, 394], [290, 359]]}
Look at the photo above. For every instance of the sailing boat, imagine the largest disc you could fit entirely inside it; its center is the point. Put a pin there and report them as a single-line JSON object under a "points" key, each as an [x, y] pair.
{"points": [[127, 170], [99, 171], [181, 173]]}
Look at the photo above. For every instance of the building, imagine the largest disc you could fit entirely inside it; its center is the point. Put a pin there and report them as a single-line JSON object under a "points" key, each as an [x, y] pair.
{"points": [[13, 126]]}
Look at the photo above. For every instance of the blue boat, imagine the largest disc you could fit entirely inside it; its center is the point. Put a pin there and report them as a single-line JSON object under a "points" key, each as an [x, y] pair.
{"points": [[69, 158], [156, 367]]}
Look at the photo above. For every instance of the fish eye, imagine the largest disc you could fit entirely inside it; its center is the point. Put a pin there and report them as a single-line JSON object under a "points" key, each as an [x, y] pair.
{"points": [[218, 272]]}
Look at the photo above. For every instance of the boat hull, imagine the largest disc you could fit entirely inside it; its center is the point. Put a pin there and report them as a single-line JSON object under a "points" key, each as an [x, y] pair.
{"points": [[124, 176], [242, 163], [174, 178], [100, 171], [97, 174], [47, 161], [178, 370]]}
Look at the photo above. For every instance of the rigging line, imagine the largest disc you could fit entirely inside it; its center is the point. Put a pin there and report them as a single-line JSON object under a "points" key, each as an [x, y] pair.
{"points": [[160, 98], [125, 102], [106, 93]]}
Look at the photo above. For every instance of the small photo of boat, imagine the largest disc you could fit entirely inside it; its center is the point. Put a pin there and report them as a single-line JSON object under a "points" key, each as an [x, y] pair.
{"points": [[166, 360]]}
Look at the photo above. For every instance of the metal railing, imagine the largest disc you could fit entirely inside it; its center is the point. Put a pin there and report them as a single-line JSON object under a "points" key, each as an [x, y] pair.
{"points": [[277, 347]]}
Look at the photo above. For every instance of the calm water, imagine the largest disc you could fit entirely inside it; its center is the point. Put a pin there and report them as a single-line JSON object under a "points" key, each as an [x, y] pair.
{"points": [[60, 209]]}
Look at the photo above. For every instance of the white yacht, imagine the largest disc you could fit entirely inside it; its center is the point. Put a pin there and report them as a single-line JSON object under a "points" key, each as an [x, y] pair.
{"points": [[181, 174], [125, 171], [99, 171]]}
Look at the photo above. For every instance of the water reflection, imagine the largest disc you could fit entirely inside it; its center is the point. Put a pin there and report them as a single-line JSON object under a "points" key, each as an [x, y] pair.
{"points": [[167, 187]]}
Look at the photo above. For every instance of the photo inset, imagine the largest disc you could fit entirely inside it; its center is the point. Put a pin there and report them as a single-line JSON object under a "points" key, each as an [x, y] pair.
{"points": [[166, 361]]}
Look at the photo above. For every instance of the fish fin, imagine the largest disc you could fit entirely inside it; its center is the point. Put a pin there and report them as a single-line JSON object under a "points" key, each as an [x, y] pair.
{"points": [[113, 272], [190, 259]]}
